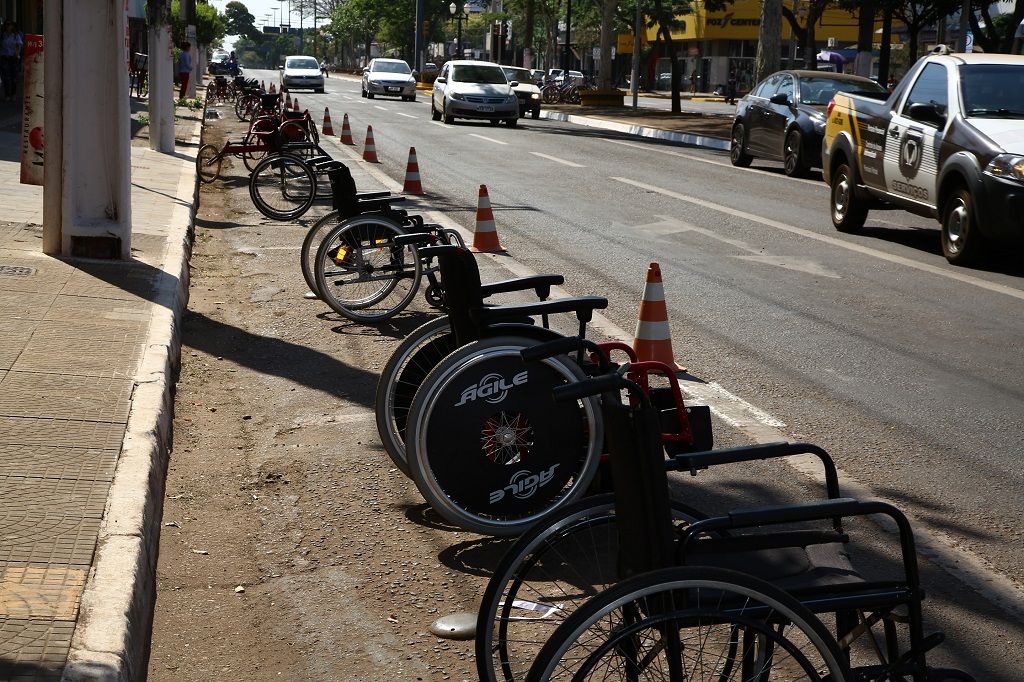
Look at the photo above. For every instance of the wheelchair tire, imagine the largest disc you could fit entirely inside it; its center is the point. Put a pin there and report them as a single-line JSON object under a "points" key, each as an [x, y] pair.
{"points": [[488, 446], [282, 187], [544, 577], [624, 631], [311, 242], [208, 163], [361, 274]]}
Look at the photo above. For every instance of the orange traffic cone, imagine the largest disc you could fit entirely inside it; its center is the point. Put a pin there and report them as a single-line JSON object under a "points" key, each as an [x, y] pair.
{"points": [[295, 104], [370, 150], [263, 86], [346, 131], [652, 340], [288, 102], [485, 236], [327, 129], [412, 175], [273, 89]]}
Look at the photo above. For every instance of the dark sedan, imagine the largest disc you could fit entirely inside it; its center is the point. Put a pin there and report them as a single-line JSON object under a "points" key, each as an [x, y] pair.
{"points": [[783, 117]]}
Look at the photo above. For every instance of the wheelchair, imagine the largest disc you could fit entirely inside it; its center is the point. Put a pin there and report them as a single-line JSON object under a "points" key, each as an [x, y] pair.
{"points": [[693, 597]]}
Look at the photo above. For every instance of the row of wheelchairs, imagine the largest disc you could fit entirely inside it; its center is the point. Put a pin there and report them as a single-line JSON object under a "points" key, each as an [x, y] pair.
{"points": [[510, 428]]}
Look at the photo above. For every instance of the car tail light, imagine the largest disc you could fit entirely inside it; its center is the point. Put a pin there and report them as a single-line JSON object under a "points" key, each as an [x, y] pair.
{"points": [[831, 106]]}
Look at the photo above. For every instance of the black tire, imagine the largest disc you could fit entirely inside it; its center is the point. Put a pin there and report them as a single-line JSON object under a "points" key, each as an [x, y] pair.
{"points": [[362, 92], [448, 118], [464, 444], [794, 163], [208, 163], [511, 122], [310, 244], [412, 360], [372, 279], [369, 95], [722, 622], [319, 91], [849, 212], [282, 187], [435, 115], [547, 566], [495, 121], [738, 146], [536, 114], [961, 240]]}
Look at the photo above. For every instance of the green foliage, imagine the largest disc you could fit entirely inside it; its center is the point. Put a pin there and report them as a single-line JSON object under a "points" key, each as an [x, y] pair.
{"points": [[239, 21], [210, 25]]}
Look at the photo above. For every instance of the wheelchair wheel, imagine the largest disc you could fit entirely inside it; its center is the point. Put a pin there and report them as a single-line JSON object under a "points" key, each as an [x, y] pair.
{"points": [[362, 274], [208, 163], [416, 355], [488, 446], [691, 623], [548, 573], [282, 187], [311, 242]]}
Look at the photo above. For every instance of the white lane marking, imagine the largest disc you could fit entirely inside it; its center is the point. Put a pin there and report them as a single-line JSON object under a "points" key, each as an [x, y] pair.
{"points": [[377, 106], [489, 139], [558, 160], [693, 157], [399, 113], [849, 246], [439, 123]]}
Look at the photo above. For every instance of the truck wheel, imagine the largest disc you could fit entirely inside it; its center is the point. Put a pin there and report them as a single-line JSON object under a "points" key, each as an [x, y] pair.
{"points": [[961, 241], [848, 210], [737, 149], [792, 154]]}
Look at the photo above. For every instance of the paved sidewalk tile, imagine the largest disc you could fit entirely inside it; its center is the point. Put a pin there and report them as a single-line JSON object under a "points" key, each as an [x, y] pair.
{"points": [[100, 311], [47, 537], [43, 591], [34, 650], [69, 432], [51, 354], [58, 495], [20, 304], [85, 398], [57, 462]]}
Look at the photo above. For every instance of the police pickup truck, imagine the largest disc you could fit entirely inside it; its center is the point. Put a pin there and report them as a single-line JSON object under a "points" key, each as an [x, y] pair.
{"points": [[948, 143]]}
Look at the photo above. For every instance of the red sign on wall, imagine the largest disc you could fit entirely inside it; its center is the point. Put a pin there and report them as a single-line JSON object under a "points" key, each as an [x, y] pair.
{"points": [[32, 112]]}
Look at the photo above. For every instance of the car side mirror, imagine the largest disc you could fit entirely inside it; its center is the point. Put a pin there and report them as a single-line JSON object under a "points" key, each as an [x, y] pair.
{"points": [[514, 83], [779, 98], [440, 79], [926, 112], [280, 67]]}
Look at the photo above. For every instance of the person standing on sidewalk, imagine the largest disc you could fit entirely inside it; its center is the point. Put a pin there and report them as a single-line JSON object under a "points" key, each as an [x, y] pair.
{"points": [[184, 68], [11, 44], [693, 81], [730, 88]]}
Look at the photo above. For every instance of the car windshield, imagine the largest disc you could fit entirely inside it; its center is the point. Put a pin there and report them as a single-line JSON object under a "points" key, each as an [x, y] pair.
{"points": [[478, 73], [993, 90], [821, 90], [391, 67], [302, 63], [521, 75]]}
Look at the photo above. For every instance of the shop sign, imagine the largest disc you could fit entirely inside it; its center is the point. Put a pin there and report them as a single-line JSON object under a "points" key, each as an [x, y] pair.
{"points": [[32, 112]]}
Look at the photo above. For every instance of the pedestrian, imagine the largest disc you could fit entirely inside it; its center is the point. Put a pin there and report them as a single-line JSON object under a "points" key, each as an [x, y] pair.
{"points": [[693, 81], [730, 88], [323, 69], [11, 44], [233, 64], [184, 68]]}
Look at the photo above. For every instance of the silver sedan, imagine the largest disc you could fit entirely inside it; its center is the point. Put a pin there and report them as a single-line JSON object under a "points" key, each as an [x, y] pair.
{"points": [[391, 77]]}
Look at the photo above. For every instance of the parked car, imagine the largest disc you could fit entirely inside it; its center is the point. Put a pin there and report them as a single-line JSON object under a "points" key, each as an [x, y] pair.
{"points": [[391, 77], [218, 65], [537, 76], [576, 77], [472, 89], [783, 117], [526, 90], [301, 72]]}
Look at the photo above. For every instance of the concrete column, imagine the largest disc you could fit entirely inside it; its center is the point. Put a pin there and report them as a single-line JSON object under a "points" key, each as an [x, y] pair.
{"points": [[87, 184], [161, 90], [190, 36]]}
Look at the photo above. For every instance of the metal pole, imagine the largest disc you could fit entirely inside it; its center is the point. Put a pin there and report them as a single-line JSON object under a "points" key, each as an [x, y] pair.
{"points": [[458, 37], [634, 79], [568, 41], [965, 26], [418, 42]]}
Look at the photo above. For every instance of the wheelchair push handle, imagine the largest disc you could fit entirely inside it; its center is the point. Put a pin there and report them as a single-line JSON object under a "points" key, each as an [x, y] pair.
{"points": [[564, 346], [413, 238], [603, 384]]}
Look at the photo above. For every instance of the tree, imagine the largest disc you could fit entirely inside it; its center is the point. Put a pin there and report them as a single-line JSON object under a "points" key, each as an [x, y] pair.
{"points": [[668, 15], [998, 32], [805, 34], [210, 25], [239, 22], [916, 16], [769, 42]]}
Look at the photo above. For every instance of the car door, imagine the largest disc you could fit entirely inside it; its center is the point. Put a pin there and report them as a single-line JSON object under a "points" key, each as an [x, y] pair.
{"points": [[757, 112], [912, 145], [776, 117]]}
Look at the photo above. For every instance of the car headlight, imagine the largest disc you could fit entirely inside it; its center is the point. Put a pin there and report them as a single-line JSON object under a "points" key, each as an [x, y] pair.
{"points": [[535, 95], [456, 95], [1007, 166]]}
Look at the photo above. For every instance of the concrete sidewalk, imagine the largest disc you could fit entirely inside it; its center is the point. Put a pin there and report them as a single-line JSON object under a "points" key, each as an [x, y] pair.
{"points": [[88, 353]]}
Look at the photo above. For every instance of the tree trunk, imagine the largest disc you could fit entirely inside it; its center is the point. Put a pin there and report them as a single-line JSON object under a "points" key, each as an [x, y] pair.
{"points": [[604, 74], [912, 43], [769, 47], [865, 39], [670, 48], [886, 46], [161, 79], [528, 36]]}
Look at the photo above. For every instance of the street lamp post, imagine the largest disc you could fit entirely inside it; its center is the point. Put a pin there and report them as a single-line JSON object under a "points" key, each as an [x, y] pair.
{"points": [[458, 12]]}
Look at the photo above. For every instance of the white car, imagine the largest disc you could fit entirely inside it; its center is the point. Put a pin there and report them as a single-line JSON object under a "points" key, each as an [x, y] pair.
{"points": [[301, 72], [391, 77], [473, 89], [526, 90]]}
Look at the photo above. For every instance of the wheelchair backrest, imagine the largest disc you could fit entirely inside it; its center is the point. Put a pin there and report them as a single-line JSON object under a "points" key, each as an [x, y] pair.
{"points": [[460, 280], [343, 192]]}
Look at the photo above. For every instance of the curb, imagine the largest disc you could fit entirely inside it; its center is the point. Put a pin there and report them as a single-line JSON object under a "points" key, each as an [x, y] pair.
{"points": [[705, 141], [112, 636]]}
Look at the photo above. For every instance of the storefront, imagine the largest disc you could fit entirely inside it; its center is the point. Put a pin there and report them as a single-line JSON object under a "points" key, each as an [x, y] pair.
{"points": [[717, 43]]}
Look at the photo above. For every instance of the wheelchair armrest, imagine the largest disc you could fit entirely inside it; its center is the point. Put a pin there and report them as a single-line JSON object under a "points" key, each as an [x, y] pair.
{"points": [[695, 461], [440, 249], [372, 195], [413, 238], [540, 283], [583, 306], [775, 540]]}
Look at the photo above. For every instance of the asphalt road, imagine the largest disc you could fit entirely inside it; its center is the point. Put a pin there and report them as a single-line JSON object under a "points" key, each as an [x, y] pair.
{"points": [[907, 369]]}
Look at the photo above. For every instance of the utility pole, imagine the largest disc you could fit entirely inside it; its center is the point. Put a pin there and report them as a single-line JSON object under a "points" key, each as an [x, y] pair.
{"points": [[418, 39], [188, 10], [965, 26], [568, 40], [634, 78]]}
